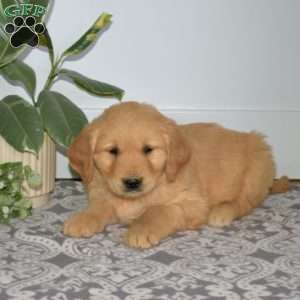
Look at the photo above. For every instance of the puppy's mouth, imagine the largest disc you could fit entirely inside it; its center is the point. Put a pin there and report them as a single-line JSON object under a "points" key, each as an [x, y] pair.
{"points": [[137, 190], [133, 193]]}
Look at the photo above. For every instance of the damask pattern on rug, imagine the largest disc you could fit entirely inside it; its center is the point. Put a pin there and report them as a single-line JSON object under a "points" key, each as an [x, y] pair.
{"points": [[255, 258]]}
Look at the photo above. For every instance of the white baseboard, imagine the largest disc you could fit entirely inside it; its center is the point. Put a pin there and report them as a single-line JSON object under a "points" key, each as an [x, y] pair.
{"points": [[281, 127]]}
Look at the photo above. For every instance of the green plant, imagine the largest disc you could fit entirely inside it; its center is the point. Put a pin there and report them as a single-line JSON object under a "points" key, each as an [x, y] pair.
{"points": [[12, 202], [23, 124]]}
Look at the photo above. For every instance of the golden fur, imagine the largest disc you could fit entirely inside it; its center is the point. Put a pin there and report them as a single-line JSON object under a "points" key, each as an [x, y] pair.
{"points": [[192, 175]]}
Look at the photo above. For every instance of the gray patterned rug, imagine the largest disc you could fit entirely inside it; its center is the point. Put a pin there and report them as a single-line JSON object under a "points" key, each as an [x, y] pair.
{"points": [[257, 257]]}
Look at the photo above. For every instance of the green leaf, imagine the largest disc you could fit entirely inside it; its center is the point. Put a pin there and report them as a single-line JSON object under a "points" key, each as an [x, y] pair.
{"points": [[7, 52], [14, 168], [90, 36], [93, 86], [20, 125], [20, 73], [33, 179], [45, 41], [62, 119], [12, 202], [5, 200]]}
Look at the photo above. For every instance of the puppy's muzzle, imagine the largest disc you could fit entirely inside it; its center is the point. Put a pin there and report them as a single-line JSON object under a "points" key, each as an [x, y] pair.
{"points": [[132, 184]]}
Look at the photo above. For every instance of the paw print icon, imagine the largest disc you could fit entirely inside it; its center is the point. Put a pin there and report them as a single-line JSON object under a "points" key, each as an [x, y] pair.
{"points": [[24, 31]]}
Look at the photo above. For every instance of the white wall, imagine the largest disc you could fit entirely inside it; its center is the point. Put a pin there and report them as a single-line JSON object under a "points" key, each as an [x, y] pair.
{"points": [[234, 62]]}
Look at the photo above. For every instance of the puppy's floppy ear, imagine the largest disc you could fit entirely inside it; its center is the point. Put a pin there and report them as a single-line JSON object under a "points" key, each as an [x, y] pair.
{"points": [[80, 154], [178, 151]]}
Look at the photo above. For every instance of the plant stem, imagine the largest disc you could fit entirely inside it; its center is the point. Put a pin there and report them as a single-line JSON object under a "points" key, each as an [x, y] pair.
{"points": [[53, 73], [33, 101]]}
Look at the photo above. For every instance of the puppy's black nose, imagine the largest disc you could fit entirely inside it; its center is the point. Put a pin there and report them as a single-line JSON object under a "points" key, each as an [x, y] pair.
{"points": [[132, 183]]}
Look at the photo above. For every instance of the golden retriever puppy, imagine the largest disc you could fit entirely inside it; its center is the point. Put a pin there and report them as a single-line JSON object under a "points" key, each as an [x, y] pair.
{"points": [[142, 169]]}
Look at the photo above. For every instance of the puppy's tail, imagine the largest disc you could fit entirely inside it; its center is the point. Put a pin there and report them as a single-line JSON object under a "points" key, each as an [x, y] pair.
{"points": [[280, 185]]}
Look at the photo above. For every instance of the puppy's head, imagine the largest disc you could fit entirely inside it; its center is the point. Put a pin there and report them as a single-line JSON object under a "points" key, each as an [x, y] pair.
{"points": [[132, 146]]}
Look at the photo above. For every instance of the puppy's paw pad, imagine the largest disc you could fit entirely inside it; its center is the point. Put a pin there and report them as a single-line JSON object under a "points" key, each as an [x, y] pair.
{"points": [[219, 221], [140, 238], [220, 216], [82, 225]]}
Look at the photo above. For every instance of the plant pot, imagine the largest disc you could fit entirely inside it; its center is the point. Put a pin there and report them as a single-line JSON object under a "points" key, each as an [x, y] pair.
{"points": [[44, 164]]}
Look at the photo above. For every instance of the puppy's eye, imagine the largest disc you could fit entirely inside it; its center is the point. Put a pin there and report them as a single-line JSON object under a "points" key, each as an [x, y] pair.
{"points": [[147, 149], [114, 151]]}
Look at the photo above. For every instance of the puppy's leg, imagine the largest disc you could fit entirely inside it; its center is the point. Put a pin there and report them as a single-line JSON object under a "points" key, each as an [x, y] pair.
{"points": [[155, 224], [254, 191], [89, 221], [161, 221], [257, 181], [252, 194]]}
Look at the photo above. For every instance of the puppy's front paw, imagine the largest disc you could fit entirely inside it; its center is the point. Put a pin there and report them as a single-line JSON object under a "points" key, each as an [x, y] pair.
{"points": [[141, 236], [83, 224]]}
